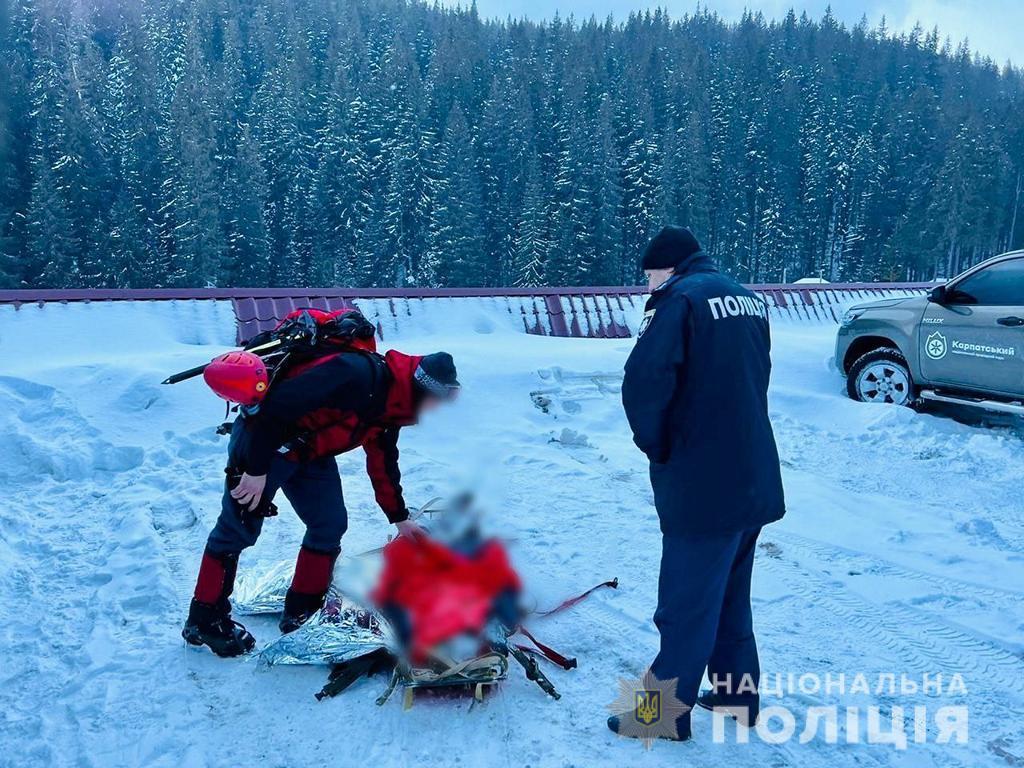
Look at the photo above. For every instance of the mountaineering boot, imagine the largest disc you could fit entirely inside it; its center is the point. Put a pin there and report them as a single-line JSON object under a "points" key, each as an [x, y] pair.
{"points": [[682, 729], [313, 571], [209, 620], [743, 709], [209, 625], [298, 607]]}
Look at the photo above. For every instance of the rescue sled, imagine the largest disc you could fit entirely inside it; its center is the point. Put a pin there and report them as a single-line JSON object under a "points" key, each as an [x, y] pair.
{"points": [[477, 676], [444, 617]]}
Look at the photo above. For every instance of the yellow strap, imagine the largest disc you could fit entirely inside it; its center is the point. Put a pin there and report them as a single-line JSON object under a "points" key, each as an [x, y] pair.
{"points": [[493, 662]]}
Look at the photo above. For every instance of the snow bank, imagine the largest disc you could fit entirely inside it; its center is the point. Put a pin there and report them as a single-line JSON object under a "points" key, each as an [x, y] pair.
{"points": [[455, 316], [901, 552]]}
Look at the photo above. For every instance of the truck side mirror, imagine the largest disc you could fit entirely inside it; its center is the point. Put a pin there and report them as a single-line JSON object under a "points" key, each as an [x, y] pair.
{"points": [[938, 294]]}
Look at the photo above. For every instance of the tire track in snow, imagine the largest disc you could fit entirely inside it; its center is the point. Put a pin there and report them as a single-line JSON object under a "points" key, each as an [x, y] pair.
{"points": [[935, 453], [928, 646], [923, 645], [878, 566]]}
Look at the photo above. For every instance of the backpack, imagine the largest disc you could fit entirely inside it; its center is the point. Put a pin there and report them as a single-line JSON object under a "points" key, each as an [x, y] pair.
{"points": [[302, 339], [307, 334]]}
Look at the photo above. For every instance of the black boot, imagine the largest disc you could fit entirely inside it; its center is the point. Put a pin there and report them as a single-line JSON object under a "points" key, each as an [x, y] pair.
{"points": [[209, 620], [298, 607], [682, 729], [743, 709], [211, 625], [312, 579]]}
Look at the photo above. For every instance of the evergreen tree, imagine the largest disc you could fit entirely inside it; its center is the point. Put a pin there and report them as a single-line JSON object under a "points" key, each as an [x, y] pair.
{"points": [[457, 232], [193, 189], [221, 142], [51, 246], [248, 250], [531, 247], [9, 183]]}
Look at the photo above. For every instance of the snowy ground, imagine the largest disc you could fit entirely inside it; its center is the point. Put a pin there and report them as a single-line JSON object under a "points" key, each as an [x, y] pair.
{"points": [[902, 552]]}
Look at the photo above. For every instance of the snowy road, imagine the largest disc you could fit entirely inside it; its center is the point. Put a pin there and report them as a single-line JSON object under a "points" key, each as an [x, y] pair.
{"points": [[902, 552]]}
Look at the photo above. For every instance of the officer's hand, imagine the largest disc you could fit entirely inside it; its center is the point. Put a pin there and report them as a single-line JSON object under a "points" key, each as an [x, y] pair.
{"points": [[410, 530], [249, 491]]}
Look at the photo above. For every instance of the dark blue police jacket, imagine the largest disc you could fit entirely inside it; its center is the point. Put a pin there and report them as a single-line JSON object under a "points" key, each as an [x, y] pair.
{"points": [[696, 396]]}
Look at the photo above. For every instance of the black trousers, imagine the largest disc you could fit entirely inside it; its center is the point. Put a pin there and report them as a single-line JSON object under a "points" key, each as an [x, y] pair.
{"points": [[312, 487], [704, 616]]}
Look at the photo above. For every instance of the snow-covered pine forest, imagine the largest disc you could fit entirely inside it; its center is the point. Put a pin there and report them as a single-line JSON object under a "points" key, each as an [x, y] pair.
{"points": [[380, 142]]}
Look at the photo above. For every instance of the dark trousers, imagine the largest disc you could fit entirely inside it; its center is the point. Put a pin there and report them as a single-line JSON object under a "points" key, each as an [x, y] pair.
{"points": [[312, 487], [704, 614]]}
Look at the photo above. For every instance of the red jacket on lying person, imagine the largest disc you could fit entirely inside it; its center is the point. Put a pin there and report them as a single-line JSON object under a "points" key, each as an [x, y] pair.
{"points": [[443, 593]]}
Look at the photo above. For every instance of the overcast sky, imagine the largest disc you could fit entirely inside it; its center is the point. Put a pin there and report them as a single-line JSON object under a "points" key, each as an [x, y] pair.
{"points": [[993, 27]]}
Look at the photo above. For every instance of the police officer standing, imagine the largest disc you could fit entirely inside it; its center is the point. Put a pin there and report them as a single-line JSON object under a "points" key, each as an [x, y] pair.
{"points": [[696, 397]]}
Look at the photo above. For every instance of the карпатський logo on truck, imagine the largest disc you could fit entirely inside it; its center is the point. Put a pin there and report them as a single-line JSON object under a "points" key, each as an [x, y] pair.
{"points": [[936, 347]]}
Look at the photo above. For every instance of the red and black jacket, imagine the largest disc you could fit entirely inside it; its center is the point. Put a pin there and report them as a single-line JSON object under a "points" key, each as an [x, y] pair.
{"points": [[332, 405]]}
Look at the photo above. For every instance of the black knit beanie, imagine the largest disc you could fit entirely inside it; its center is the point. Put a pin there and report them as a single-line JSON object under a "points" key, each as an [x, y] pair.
{"points": [[669, 248], [436, 374]]}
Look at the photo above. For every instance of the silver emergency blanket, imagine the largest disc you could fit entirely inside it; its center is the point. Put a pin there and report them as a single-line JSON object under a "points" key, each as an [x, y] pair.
{"points": [[345, 628], [341, 631], [257, 593], [261, 592]]}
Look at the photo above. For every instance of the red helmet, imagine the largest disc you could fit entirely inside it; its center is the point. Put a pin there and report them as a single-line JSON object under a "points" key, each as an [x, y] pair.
{"points": [[238, 377]]}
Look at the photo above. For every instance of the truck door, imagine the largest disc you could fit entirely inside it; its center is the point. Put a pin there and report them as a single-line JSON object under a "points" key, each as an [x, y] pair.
{"points": [[975, 339]]}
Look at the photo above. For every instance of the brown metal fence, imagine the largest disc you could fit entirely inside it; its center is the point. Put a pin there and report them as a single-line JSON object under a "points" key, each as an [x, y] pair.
{"points": [[583, 312]]}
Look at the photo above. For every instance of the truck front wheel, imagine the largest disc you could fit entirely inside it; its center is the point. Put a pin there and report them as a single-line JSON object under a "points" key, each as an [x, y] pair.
{"points": [[881, 376]]}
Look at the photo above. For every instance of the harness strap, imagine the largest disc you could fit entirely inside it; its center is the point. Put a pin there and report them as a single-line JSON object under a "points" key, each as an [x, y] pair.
{"points": [[487, 667], [549, 653], [566, 604]]}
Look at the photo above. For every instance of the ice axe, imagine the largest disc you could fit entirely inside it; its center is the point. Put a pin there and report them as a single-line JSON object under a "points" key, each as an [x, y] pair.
{"points": [[299, 330], [191, 373]]}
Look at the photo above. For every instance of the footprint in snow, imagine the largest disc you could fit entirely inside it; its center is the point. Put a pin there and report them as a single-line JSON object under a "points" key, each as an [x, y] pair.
{"points": [[572, 439], [983, 531], [173, 515]]}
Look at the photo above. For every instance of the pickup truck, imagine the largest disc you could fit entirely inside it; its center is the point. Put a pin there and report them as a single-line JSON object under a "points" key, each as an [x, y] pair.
{"points": [[962, 344]]}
